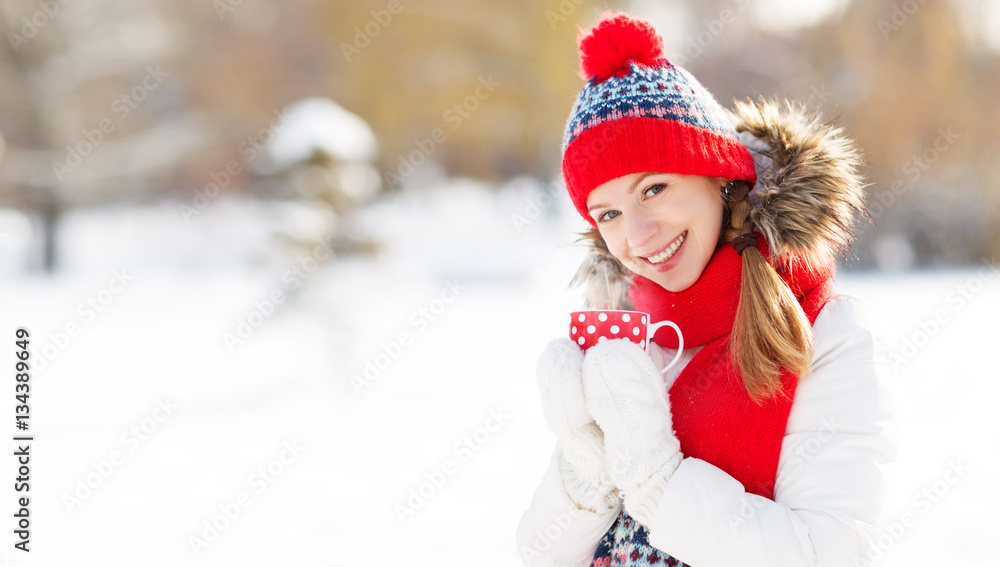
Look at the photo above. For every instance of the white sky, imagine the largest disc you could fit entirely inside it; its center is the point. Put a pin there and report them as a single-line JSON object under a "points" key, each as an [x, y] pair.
{"points": [[789, 15], [981, 19]]}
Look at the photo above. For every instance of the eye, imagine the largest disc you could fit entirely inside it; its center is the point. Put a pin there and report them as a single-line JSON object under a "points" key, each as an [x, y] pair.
{"points": [[608, 215], [654, 189]]}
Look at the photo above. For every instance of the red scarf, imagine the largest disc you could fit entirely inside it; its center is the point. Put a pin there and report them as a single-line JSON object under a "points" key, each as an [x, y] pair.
{"points": [[713, 416]]}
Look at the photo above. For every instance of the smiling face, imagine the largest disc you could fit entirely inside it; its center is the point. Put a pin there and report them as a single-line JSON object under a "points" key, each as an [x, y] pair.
{"points": [[662, 226]]}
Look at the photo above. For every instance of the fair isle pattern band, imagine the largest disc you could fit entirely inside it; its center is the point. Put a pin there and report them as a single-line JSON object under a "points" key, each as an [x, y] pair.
{"points": [[638, 112], [626, 543], [664, 92]]}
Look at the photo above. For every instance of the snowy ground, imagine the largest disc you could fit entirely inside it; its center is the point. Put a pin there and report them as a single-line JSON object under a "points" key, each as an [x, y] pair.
{"points": [[157, 428]]}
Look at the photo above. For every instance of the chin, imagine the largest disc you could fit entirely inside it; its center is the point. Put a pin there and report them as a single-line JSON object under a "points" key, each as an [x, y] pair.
{"points": [[678, 278], [675, 284]]}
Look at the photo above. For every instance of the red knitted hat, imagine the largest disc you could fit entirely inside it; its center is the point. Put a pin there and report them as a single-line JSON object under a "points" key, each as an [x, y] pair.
{"points": [[638, 112]]}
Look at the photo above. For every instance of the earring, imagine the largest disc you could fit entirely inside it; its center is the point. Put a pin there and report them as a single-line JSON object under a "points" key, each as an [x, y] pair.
{"points": [[729, 187]]}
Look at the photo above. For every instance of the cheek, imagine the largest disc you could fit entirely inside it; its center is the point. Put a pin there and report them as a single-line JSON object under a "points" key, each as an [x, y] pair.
{"points": [[710, 219], [616, 245], [713, 225], [620, 252]]}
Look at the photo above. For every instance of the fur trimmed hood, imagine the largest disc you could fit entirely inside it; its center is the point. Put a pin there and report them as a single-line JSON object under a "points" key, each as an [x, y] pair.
{"points": [[804, 202]]}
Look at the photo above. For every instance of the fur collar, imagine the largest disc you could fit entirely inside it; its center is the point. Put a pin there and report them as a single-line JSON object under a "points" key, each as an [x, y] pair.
{"points": [[804, 203]]}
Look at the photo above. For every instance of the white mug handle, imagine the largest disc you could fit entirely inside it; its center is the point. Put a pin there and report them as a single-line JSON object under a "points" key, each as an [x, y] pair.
{"points": [[680, 341]]}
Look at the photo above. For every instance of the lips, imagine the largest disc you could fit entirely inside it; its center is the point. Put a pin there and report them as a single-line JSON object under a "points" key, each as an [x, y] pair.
{"points": [[667, 251]]}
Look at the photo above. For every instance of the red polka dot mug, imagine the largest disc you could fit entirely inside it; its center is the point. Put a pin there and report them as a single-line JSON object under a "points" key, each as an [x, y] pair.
{"points": [[587, 328]]}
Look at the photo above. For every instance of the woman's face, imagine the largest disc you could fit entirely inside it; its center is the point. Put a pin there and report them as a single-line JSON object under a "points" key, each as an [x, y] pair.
{"points": [[662, 226]]}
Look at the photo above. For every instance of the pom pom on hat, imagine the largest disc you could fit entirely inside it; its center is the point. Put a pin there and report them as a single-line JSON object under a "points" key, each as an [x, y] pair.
{"points": [[607, 48]]}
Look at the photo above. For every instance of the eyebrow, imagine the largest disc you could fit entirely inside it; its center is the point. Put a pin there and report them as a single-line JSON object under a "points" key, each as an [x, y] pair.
{"points": [[631, 189]]}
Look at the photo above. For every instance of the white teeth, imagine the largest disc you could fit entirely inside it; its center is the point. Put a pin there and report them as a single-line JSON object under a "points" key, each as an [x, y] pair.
{"points": [[668, 252]]}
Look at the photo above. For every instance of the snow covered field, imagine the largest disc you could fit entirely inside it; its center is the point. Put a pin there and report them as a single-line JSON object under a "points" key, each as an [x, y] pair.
{"points": [[384, 411]]}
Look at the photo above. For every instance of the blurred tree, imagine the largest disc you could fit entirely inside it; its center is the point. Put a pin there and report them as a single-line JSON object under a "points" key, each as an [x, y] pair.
{"points": [[497, 78], [84, 113], [908, 82], [922, 107], [111, 100], [188, 88]]}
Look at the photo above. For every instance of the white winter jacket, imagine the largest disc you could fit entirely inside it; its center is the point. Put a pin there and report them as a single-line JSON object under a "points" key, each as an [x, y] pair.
{"points": [[833, 472]]}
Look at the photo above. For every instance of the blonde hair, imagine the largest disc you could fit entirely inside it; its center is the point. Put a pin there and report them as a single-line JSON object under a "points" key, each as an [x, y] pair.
{"points": [[771, 333]]}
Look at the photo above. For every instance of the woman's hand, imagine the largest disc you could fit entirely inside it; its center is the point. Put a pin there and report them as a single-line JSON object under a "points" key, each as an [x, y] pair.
{"points": [[627, 397], [582, 463]]}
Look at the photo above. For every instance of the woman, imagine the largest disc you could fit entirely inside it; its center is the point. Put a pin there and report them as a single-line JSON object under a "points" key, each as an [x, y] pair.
{"points": [[772, 441]]}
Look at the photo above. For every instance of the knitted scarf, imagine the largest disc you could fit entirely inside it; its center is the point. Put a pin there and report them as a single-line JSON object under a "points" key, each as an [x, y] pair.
{"points": [[713, 416]]}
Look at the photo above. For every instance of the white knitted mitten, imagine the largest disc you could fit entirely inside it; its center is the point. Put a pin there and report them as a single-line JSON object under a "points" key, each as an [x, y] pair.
{"points": [[582, 461], [627, 397]]}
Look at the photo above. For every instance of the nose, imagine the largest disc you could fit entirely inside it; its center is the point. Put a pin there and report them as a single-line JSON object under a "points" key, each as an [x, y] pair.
{"points": [[639, 229]]}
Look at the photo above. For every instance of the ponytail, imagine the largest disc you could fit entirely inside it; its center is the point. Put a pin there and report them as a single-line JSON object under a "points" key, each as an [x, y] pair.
{"points": [[771, 333]]}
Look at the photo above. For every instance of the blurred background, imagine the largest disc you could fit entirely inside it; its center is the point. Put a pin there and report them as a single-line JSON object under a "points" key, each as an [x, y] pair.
{"points": [[287, 264]]}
